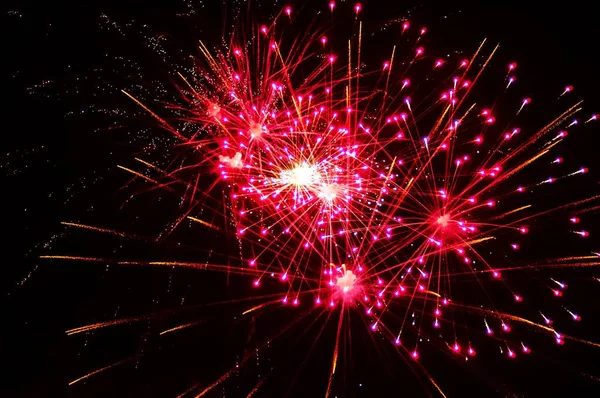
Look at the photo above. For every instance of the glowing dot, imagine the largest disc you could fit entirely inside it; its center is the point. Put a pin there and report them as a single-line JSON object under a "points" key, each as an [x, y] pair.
{"points": [[346, 282], [518, 298]]}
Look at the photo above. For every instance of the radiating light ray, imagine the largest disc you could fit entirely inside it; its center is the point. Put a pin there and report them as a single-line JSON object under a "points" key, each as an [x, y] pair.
{"points": [[97, 229], [257, 307], [99, 325], [155, 116], [101, 370], [139, 175], [75, 258], [199, 221], [510, 212], [256, 387], [180, 327], [335, 354]]}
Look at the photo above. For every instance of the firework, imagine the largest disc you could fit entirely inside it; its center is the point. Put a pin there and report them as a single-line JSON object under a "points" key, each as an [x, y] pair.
{"points": [[363, 190]]}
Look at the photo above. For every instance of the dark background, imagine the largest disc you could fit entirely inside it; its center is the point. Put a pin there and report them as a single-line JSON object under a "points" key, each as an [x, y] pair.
{"points": [[56, 167]]}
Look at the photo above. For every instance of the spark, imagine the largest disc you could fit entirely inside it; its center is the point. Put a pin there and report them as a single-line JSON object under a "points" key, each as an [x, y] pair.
{"points": [[180, 327], [101, 370], [199, 221]]}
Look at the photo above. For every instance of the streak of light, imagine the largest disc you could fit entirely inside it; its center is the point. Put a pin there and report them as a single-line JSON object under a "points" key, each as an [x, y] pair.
{"points": [[97, 229], [138, 174], [154, 115], [510, 212], [178, 328], [335, 354], [207, 224], [100, 370]]}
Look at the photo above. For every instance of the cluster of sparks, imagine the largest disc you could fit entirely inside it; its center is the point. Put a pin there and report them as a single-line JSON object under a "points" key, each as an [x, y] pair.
{"points": [[358, 193]]}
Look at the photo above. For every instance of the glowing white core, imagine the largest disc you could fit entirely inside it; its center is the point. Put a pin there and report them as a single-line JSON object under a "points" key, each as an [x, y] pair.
{"points": [[346, 282], [235, 161], [214, 110], [256, 130], [443, 220], [302, 175], [328, 192]]}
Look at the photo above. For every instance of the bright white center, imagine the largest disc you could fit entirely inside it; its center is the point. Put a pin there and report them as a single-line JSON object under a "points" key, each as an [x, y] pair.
{"points": [[328, 192], [346, 282], [214, 110], [256, 130], [302, 175], [443, 220], [235, 162]]}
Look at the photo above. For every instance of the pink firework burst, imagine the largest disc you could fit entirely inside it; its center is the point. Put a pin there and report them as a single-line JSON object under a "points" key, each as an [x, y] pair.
{"points": [[379, 191]]}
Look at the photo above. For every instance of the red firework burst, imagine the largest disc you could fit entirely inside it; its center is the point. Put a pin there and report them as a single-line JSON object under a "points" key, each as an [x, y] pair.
{"points": [[361, 188]]}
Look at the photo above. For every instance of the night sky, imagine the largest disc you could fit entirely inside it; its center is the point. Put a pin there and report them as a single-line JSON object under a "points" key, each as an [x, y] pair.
{"points": [[58, 163]]}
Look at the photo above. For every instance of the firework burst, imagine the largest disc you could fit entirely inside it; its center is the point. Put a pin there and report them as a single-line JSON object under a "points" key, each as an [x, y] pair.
{"points": [[378, 191]]}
